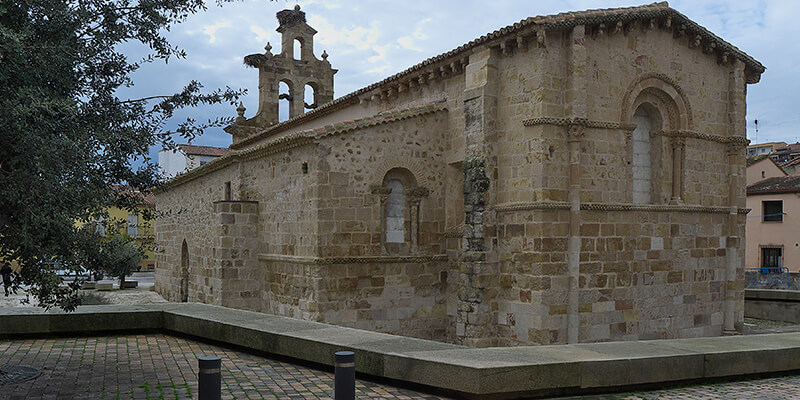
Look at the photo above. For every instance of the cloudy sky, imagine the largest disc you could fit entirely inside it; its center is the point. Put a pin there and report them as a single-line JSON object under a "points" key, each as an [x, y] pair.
{"points": [[371, 40]]}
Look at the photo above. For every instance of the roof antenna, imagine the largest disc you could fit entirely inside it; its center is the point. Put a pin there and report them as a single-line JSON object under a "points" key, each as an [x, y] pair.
{"points": [[756, 122]]}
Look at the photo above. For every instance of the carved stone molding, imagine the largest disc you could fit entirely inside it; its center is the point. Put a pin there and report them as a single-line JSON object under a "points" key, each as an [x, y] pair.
{"points": [[564, 205], [536, 205], [351, 260], [686, 134], [558, 121], [636, 88]]}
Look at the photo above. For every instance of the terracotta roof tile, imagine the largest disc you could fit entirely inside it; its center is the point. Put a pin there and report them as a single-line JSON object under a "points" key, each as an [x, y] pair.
{"points": [[780, 184]]}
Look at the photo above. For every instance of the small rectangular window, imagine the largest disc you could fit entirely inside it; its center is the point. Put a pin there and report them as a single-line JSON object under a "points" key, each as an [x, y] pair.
{"points": [[772, 211], [133, 225], [771, 257], [227, 191]]}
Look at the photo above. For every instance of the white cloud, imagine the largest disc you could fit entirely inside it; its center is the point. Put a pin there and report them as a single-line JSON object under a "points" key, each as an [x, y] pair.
{"points": [[211, 30], [410, 42], [261, 35], [354, 37]]}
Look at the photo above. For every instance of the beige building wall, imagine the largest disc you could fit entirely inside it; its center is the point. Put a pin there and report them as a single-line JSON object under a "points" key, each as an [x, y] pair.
{"points": [[761, 170], [784, 234]]}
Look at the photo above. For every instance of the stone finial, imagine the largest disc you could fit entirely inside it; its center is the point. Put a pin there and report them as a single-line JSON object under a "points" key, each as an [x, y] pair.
{"points": [[324, 55], [297, 7], [240, 110], [268, 49]]}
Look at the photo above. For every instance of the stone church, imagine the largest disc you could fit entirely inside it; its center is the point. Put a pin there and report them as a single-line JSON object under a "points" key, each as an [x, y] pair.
{"points": [[570, 178]]}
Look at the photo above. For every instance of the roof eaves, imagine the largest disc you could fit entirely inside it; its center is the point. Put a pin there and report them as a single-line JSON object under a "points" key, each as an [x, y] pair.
{"points": [[550, 22]]}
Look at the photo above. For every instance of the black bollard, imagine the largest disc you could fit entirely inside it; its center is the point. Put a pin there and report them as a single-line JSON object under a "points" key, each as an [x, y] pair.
{"points": [[345, 381], [209, 378]]}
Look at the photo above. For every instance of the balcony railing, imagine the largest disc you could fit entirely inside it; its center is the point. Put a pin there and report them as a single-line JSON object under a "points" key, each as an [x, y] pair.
{"points": [[767, 276]]}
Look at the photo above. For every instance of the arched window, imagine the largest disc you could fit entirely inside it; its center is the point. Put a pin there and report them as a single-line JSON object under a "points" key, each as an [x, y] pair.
{"points": [[646, 155], [310, 96], [395, 212], [284, 100], [400, 210], [297, 49], [184, 272], [641, 157]]}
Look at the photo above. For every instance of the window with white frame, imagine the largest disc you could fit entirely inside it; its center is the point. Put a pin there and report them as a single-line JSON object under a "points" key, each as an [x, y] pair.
{"points": [[133, 225]]}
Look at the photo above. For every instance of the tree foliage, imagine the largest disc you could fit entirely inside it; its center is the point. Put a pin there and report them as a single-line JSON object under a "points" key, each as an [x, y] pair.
{"points": [[66, 136]]}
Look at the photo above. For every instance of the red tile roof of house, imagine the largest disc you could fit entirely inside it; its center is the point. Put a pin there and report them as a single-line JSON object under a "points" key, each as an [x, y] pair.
{"points": [[779, 184]]}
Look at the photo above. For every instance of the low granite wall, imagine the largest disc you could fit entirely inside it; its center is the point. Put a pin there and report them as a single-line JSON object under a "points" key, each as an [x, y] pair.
{"points": [[773, 305], [458, 371]]}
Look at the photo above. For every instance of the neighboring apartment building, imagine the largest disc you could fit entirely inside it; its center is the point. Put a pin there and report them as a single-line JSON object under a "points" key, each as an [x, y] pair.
{"points": [[763, 148], [134, 225], [186, 157], [773, 226], [786, 153]]}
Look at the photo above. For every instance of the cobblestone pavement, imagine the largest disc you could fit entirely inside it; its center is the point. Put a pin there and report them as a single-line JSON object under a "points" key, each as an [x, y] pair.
{"points": [[162, 367], [782, 388]]}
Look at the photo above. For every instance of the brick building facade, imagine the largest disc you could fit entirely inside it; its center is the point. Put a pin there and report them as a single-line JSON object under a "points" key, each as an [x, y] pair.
{"points": [[570, 178]]}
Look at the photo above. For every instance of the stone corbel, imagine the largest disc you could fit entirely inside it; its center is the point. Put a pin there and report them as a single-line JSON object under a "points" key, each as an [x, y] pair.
{"points": [[432, 76], [505, 48], [618, 27], [455, 67], [601, 30], [541, 38], [695, 42], [680, 31], [668, 23], [521, 43], [710, 48]]}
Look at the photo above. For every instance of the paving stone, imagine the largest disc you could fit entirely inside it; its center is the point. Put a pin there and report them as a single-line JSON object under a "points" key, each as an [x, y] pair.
{"points": [[163, 367]]}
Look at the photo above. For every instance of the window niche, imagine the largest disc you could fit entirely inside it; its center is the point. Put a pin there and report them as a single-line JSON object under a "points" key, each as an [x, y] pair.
{"points": [[400, 199], [646, 155], [772, 211]]}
